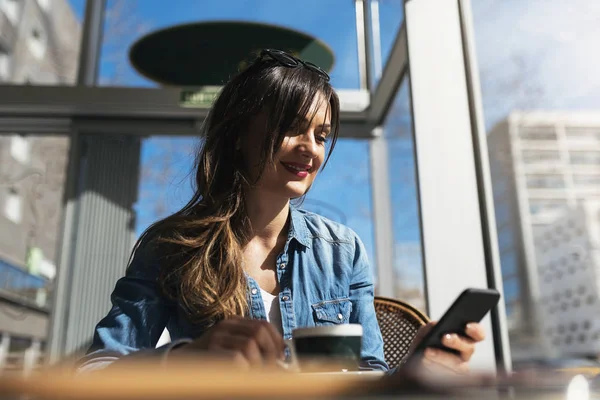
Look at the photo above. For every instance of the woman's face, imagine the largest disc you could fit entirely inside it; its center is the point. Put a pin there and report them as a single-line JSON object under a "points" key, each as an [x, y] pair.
{"points": [[301, 154]]}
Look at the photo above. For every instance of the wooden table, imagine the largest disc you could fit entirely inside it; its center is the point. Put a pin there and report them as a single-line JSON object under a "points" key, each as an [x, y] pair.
{"points": [[194, 379]]}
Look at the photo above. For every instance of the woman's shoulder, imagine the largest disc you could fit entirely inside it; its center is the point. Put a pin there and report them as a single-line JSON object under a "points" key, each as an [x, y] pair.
{"points": [[320, 227]]}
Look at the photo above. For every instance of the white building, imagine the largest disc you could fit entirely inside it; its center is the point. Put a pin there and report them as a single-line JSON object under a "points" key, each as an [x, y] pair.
{"points": [[39, 44], [568, 260], [543, 164]]}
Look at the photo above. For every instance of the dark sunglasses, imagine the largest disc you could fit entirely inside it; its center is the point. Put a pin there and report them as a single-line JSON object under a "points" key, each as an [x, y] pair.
{"points": [[288, 60]]}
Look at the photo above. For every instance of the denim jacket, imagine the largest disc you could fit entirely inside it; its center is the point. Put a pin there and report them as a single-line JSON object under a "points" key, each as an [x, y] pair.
{"points": [[323, 273]]}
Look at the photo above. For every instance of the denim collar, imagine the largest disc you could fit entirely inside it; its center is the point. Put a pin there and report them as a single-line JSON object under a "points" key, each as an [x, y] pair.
{"points": [[298, 228]]}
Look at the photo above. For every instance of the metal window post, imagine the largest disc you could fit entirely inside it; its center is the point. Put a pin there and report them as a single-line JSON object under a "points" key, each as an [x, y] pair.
{"points": [[454, 183], [87, 75]]}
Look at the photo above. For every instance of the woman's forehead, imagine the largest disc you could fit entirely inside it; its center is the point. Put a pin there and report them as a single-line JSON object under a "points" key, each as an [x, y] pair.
{"points": [[320, 110]]}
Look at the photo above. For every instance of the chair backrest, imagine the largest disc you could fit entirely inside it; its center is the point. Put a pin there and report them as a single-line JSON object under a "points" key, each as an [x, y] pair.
{"points": [[399, 323]]}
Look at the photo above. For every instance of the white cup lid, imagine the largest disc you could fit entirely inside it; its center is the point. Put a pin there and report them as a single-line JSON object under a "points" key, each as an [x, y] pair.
{"points": [[329, 330]]}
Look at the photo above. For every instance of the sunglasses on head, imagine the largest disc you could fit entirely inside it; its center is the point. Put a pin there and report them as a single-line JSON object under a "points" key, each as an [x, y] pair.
{"points": [[288, 60]]}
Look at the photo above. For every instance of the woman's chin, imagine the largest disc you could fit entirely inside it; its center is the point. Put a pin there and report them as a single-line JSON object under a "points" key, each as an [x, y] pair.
{"points": [[293, 190]]}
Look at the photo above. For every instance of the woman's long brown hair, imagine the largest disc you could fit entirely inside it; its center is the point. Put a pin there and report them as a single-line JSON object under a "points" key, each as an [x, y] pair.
{"points": [[200, 246]]}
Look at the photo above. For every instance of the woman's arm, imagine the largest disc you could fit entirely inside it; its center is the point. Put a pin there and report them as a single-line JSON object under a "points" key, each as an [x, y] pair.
{"points": [[137, 318], [363, 311]]}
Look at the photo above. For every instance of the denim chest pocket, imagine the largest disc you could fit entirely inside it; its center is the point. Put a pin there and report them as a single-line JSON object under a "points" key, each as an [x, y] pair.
{"points": [[332, 312]]}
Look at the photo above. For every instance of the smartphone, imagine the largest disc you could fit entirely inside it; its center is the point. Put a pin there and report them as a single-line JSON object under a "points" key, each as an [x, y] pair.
{"points": [[471, 306]]}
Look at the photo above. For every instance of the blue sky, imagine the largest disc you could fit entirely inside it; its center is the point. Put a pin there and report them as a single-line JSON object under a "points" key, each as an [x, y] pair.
{"points": [[533, 54]]}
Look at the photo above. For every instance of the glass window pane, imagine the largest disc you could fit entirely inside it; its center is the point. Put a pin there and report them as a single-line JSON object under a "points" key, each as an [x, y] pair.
{"points": [[40, 45], [333, 22], [539, 55], [408, 262]]}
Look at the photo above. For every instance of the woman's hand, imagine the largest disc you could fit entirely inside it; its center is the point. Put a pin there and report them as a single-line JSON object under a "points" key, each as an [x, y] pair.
{"points": [[441, 360], [246, 342]]}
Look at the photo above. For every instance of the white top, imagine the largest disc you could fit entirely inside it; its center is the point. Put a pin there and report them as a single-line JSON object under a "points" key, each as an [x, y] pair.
{"points": [[272, 309]]}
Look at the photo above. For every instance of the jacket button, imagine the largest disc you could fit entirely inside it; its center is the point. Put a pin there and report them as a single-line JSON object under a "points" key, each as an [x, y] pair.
{"points": [[282, 266], [285, 298], [254, 291], [340, 317]]}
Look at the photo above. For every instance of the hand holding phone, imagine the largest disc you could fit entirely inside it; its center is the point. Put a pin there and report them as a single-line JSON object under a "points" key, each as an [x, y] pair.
{"points": [[471, 306]]}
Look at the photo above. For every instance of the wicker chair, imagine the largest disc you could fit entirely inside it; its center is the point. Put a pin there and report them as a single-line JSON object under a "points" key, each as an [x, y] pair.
{"points": [[399, 323]]}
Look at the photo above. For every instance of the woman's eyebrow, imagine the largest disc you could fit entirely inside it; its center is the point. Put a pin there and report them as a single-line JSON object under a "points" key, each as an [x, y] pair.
{"points": [[307, 120]]}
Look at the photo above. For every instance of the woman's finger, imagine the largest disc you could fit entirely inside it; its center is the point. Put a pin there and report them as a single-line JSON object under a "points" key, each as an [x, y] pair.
{"points": [[475, 331], [464, 345], [269, 341], [244, 345], [442, 357]]}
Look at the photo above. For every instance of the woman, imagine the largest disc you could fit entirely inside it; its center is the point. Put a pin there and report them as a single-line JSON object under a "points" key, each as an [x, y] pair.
{"points": [[238, 254]]}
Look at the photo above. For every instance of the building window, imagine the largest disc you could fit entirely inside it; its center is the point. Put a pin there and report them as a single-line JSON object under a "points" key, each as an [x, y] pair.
{"points": [[537, 133], [20, 149], [579, 133], [545, 181], [13, 206], [11, 9], [37, 43], [542, 206], [586, 180], [540, 156], [585, 157]]}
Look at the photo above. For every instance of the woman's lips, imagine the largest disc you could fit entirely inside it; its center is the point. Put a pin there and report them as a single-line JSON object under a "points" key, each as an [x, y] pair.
{"points": [[297, 169]]}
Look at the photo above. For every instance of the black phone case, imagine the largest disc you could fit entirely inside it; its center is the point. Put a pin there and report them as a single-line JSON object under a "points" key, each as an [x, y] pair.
{"points": [[470, 306]]}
